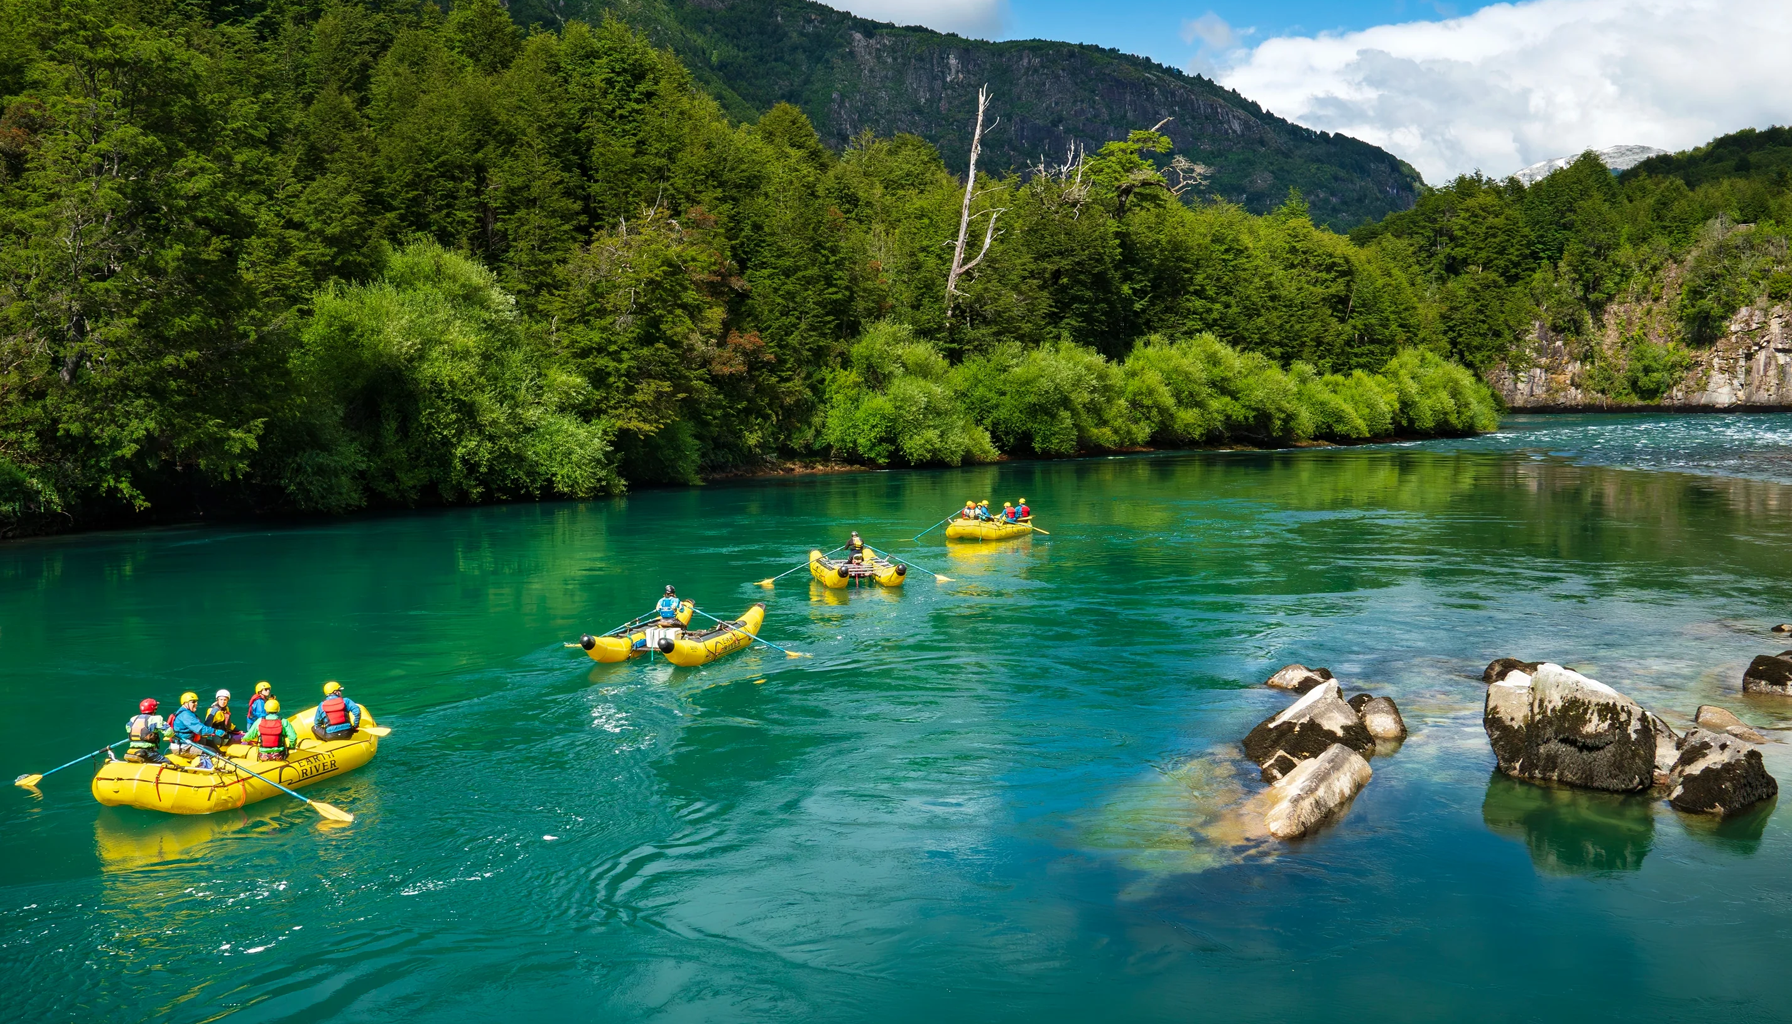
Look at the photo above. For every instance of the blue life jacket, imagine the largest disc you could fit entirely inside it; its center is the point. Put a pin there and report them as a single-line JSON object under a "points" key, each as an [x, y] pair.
{"points": [[258, 709], [188, 726], [667, 608]]}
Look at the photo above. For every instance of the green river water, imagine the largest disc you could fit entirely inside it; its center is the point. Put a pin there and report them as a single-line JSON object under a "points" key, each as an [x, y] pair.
{"points": [[1015, 796]]}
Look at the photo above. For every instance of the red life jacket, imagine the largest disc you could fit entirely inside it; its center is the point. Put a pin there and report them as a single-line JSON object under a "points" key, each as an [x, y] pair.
{"points": [[1024, 512], [335, 709], [273, 732]]}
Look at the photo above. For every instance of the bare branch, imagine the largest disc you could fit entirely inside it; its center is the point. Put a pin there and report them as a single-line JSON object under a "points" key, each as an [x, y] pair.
{"points": [[964, 214]]}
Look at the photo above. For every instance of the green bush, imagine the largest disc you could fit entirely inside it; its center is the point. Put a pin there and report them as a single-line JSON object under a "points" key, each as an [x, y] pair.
{"points": [[1055, 400], [1652, 370], [425, 386], [893, 401], [1436, 396]]}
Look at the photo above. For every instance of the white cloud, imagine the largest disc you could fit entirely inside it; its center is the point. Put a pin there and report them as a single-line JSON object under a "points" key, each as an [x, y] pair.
{"points": [[1514, 84], [977, 19], [1212, 30]]}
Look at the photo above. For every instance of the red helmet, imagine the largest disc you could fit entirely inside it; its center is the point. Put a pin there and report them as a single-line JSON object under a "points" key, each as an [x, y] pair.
{"points": [[147, 706]]}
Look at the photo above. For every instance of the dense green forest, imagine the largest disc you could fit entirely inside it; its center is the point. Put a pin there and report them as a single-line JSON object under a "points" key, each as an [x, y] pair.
{"points": [[316, 256], [1703, 232]]}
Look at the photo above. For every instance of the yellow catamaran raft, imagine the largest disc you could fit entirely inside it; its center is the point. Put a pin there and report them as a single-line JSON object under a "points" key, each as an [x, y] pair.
{"points": [[985, 529], [681, 647], [181, 788], [841, 572]]}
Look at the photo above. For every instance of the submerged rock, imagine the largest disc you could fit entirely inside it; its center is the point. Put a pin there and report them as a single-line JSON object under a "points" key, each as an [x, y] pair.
{"points": [[1298, 678], [1571, 831], [1560, 726], [1316, 791], [1719, 774], [1382, 718], [1306, 728], [1769, 673], [1716, 719], [1499, 668]]}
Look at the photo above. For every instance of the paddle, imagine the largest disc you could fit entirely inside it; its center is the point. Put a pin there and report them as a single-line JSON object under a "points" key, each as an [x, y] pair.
{"points": [[30, 781], [737, 629], [327, 810], [934, 527], [1036, 529], [937, 578], [768, 582]]}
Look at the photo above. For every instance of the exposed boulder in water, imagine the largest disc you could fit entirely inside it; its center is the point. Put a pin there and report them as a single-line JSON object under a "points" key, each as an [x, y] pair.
{"points": [[1667, 749], [1306, 728], [1563, 727], [1499, 668], [1784, 627], [1298, 678], [1382, 718], [1719, 774], [1716, 719], [1316, 791], [1769, 673], [1358, 700]]}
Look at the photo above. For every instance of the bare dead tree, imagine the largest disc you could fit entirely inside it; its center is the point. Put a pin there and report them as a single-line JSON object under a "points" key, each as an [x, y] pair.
{"points": [[959, 266]]}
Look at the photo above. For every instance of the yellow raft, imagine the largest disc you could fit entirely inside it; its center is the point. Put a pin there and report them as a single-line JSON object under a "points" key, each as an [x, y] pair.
{"points": [[985, 529], [839, 572], [630, 641], [180, 788], [681, 647]]}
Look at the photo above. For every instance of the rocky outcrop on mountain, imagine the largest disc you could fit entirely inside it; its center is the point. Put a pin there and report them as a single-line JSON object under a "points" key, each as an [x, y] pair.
{"points": [[1304, 730], [1719, 774], [852, 74], [1769, 674], [1560, 726], [1316, 791], [1298, 678]]}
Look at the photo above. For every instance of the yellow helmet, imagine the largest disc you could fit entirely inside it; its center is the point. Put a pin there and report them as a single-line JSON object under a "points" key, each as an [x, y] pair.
{"points": [[1023, 501], [188, 696], [983, 503], [1007, 504], [273, 706], [332, 687], [264, 687], [970, 504]]}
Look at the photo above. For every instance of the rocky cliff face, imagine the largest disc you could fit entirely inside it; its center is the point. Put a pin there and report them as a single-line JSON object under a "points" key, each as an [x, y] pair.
{"points": [[1749, 367], [851, 74]]}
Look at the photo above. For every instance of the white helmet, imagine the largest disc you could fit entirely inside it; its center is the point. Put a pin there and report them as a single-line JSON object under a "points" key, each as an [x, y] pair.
{"points": [[223, 695]]}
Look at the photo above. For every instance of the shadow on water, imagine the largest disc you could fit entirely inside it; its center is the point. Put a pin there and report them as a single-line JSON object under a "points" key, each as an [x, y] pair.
{"points": [[1571, 831], [1739, 833]]}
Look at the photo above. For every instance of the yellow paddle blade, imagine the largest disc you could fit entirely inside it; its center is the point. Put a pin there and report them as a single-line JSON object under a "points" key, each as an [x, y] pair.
{"points": [[937, 578], [795, 654], [331, 812], [565, 644], [1038, 530], [28, 781], [763, 583], [377, 730]]}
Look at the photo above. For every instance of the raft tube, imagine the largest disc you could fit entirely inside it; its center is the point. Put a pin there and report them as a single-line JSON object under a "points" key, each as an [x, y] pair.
{"points": [[627, 642], [179, 788], [980, 529], [838, 572], [701, 648]]}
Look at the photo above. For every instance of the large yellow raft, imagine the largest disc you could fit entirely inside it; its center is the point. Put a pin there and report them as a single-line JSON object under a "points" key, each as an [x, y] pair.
{"points": [[630, 641], [681, 647], [985, 529], [180, 788], [840, 572]]}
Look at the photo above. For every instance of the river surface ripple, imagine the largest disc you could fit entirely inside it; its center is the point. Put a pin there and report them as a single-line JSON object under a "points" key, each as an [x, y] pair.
{"points": [[1015, 796]]}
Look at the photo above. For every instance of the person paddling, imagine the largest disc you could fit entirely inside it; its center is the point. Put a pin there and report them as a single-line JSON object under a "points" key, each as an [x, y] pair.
{"points": [[970, 510], [855, 549], [1023, 513], [147, 730], [983, 511], [264, 692], [192, 737], [667, 609], [274, 737], [1008, 513], [337, 717]]}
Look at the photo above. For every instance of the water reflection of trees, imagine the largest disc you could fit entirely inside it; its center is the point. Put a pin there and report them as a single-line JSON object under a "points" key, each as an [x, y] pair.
{"points": [[1571, 831]]}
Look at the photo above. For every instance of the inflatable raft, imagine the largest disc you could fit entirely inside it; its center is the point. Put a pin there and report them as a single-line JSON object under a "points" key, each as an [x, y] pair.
{"points": [[839, 572], [182, 788], [632, 640], [985, 529], [679, 646]]}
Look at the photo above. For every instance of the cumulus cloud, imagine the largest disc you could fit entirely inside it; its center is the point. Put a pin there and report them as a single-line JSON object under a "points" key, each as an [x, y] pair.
{"points": [[978, 19], [1212, 30], [1514, 84]]}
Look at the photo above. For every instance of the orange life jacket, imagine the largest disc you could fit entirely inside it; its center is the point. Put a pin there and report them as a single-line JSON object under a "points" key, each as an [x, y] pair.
{"points": [[335, 709]]}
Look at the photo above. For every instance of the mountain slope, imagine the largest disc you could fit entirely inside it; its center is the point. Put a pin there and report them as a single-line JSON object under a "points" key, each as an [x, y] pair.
{"points": [[1746, 154], [850, 74]]}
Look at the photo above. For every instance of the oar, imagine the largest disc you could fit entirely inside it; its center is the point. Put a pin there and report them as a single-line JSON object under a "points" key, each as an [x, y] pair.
{"points": [[934, 527], [1036, 529], [805, 565], [626, 625], [329, 811], [30, 781], [937, 578], [737, 629]]}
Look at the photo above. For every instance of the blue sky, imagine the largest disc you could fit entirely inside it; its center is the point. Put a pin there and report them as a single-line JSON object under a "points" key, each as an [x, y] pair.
{"points": [[1449, 87]]}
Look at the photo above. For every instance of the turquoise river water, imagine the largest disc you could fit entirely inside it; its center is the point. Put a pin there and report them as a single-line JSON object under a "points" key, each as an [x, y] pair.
{"points": [[1013, 796]]}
